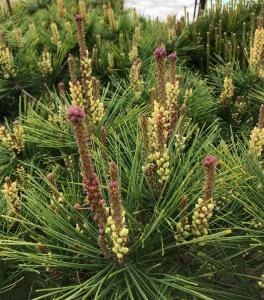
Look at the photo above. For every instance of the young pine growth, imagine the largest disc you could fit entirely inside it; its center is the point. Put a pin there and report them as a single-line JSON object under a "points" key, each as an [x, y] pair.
{"points": [[97, 106], [83, 10], [76, 89], [61, 9], [136, 80], [171, 28], [256, 224], [86, 93], [133, 53], [158, 127], [92, 102], [163, 120], [61, 88], [256, 141], [228, 87], [6, 59], [95, 56], [158, 159], [57, 197], [57, 115], [13, 140], [91, 184], [111, 18], [172, 93], [68, 28], [11, 194], [22, 176], [159, 55], [17, 35], [33, 31], [240, 108], [45, 64], [256, 53], [53, 117], [68, 162], [55, 35], [110, 62], [144, 131], [261, 281], [116, 225], [204, 208], [137, 35], [76, 93], [112, 224], [183, 228], [80, 35], [87, 82]]}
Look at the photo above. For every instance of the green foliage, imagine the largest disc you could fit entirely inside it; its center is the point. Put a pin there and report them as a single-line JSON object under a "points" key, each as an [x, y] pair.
{"points": [[49, 241]]}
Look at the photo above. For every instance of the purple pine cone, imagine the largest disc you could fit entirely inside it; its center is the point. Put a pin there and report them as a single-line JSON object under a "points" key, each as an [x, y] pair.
{"points": [[210, 161], [78, 18], [159, 52], [75, 114], [172, 57]]}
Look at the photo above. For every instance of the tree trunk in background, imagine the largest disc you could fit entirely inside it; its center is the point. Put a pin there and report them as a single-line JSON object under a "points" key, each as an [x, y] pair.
{"points": [[201, 7], [202, 4]]}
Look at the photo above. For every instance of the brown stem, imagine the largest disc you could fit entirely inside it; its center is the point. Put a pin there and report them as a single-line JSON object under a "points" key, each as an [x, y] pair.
{"points": [[71, 66], [9, 7], [103, 135], [144, 130], [210, 163], [261, 117], [115, 196], [161, 80], [82, 141], [91, 182], [160, 134], [80, 33], [174, 117]]}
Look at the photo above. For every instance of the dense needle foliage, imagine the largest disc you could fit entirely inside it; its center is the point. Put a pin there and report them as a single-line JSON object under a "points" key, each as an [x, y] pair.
{"points": [[131, 152]]}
